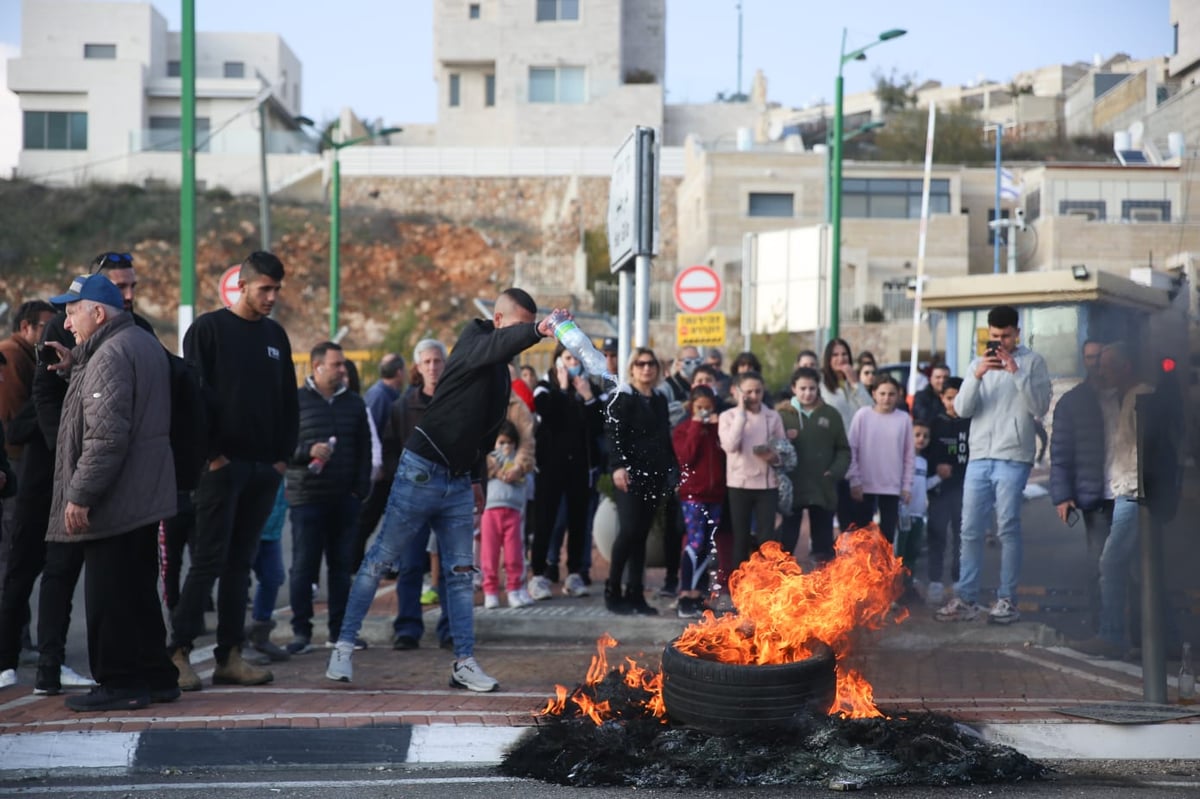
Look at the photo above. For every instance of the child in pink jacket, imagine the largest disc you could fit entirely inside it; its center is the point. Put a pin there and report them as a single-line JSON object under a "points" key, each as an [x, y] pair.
{"points": [[881, 458]]}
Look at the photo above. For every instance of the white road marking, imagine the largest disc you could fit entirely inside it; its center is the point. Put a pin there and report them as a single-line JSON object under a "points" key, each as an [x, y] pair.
{"points": [[1074, 672], [41, 751]]}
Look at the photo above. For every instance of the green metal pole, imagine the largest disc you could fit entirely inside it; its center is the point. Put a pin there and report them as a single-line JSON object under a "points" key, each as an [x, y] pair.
{"points": [[335, 243], [187, 181], [835, 247]]}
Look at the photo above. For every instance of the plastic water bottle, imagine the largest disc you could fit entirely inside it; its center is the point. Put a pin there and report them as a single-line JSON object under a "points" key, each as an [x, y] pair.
{"points": [[579, 345], [316, 464], [1187, 678]]}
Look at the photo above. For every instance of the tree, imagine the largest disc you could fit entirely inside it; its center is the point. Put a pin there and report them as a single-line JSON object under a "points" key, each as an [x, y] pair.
{"points": [[895, 92], [958, 138]]}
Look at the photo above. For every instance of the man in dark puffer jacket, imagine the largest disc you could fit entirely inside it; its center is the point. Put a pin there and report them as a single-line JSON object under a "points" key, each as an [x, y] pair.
{"points": [[328, 476], [1077, 457]]}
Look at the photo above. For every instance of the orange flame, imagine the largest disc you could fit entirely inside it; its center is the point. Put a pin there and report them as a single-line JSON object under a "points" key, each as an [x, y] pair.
{"points": [[781, 612]]}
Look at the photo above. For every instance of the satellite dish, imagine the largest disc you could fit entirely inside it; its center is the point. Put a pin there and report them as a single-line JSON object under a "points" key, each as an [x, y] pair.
{"points": [[775, 131], [1136, 131]]}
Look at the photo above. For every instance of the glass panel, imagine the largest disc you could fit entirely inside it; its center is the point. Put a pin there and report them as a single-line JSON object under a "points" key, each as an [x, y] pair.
{"points": [[547, 10], [939, 204], [853, 184], [473, 11], [78, 130], [173, 69], [489, 90], [100, 51], [454, 85], [889, 206], [570, 9], [35, 130], [889, 186], [764, 204], [571, 85], [235, 69], [541, 85], [56, 130], [203, 126], [854, 205], [1053, 333]]}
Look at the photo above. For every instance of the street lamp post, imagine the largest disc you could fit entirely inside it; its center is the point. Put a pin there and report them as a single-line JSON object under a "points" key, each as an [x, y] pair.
{"points": [[335, 213], [835, 260]]}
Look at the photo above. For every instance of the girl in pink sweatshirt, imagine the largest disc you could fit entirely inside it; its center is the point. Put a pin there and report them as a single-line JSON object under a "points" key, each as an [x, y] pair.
{"points": [[881, 458]]}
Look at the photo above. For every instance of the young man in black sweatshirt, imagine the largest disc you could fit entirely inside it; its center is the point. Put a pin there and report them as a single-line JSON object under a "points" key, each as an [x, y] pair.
{"points": [[244, 361], [437, 483]]}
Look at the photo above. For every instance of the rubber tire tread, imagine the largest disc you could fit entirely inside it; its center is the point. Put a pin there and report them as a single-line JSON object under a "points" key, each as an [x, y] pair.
{"points": [[729, 698]]}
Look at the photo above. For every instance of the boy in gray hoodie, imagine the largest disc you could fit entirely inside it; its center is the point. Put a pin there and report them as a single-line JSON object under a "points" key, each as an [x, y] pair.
{"points": [[1003, 393]]}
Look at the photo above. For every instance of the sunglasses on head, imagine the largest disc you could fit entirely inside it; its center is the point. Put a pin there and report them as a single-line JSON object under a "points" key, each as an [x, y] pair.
{"points": [[119, 260]]}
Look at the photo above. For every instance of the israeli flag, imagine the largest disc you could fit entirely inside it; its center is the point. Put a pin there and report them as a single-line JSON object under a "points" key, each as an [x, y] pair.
{"points": [[1010, 188]]}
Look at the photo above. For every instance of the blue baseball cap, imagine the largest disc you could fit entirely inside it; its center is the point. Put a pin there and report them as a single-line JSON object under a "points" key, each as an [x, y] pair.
{"points": [[97, 288]]}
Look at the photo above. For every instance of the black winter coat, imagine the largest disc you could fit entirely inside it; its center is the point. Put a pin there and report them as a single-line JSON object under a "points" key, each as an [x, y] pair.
{"points": [[349, 470], [639, 433], [1077, 449]]}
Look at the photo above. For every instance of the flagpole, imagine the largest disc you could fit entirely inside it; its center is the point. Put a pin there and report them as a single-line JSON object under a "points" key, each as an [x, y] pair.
{"points": [[996, 218], [916, 326]]}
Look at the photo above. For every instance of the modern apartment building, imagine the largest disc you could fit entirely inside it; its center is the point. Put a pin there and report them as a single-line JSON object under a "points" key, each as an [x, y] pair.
{"points": [[99, 89]]}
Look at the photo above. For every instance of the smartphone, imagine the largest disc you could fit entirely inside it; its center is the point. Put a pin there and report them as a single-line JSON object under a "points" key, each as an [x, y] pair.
{"points": [[47, 355], [992, 346], [1072, 516], [759, 449]]}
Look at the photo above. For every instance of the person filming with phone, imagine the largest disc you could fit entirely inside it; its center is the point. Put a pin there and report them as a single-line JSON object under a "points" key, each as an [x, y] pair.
{"points": [[1003, 393]]}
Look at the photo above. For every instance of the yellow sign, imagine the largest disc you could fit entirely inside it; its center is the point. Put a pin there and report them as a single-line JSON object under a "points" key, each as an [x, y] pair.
{"points": [[700, 329]]}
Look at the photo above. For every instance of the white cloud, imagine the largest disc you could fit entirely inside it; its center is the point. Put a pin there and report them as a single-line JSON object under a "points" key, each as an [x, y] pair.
{"points": [[10, 115]]}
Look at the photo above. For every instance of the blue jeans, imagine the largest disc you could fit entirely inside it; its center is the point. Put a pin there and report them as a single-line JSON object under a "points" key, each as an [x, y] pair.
{"points": [[410, 577], [992, 485], [268, 568], [1118, 557], [329, 528], [424, 495]]}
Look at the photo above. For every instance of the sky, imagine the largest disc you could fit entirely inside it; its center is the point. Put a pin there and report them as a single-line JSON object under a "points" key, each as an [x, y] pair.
{"points": [[376, 56]]}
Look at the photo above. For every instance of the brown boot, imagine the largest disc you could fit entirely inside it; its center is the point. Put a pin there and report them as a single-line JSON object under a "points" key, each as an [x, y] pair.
{"points": [[236, 671], [188, 680]]}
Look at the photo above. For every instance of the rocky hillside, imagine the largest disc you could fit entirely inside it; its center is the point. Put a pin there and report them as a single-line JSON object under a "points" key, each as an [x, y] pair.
{"points": [[403, 276]]}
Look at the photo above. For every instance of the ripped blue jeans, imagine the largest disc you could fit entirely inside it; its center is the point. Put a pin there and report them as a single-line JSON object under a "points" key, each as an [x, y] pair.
{"points": [[424, 495]]}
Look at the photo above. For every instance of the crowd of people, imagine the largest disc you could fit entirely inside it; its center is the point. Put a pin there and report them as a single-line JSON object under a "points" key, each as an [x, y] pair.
{"points": [[486, 475]]}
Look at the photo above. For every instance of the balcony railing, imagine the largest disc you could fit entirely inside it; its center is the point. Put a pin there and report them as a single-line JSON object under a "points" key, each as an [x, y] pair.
{"points": [[226, 142]]}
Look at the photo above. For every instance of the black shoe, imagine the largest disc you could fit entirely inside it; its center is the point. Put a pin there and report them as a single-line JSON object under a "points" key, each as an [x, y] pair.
{"points": [[615, 603], [635, 598], [689, 608], [551, 572], [669, 590], [405, 642], [103, 698], [164, 695], [48, 682]]}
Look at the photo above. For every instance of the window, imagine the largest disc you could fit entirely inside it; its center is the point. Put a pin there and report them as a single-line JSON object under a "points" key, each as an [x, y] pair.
{"points": [[557, 85], [771, 204], [1033, 205], [489, 90], [473, 11], [55, 130], [892, 198], [1146, 210], [164, 135], [455, 81], [105, 51], [1092, 210], [174, 70], [235, 69], [557, 10]]}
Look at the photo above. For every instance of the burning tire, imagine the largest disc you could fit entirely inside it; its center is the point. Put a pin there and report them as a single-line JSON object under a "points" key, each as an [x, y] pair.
{"points": [[727, 698]]}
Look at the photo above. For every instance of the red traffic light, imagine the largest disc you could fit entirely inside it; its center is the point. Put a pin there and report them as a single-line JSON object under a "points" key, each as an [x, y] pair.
{"points": [[1168, 364]]}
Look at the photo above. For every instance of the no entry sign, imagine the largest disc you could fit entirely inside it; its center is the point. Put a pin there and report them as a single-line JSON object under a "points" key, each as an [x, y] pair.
{"points": [[697, 290], [229, 286]]}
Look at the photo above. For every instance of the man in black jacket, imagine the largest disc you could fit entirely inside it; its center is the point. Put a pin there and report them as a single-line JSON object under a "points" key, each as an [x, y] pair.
{"points": [[1078, 485], [244, 361], [437, 483], [327, 478]]}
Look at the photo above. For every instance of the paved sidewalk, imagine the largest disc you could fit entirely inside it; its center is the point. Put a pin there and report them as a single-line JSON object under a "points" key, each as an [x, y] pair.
{"points": [[1006, 681]]}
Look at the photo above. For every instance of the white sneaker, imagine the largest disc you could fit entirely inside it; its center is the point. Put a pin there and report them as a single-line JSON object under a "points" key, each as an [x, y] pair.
{"points": [[1003, 612], [575, 586], [69, 678], [520, 598], [491, 601], [540, 588], [468, 674], [8, 678], [936, 595], [339, 669], [958, 610]]}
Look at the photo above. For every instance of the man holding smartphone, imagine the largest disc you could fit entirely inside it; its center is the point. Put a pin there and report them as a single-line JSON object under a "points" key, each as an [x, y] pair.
{"points": [[1003, 394], [1078, 479]]}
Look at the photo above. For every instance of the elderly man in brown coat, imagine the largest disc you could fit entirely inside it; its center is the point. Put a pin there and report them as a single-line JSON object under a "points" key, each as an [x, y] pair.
{"points": [[114, 480]]}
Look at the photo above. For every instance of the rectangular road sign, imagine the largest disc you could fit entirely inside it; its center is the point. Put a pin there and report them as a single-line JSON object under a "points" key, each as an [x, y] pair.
{"points": [[700, 329], [633, 200]]}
